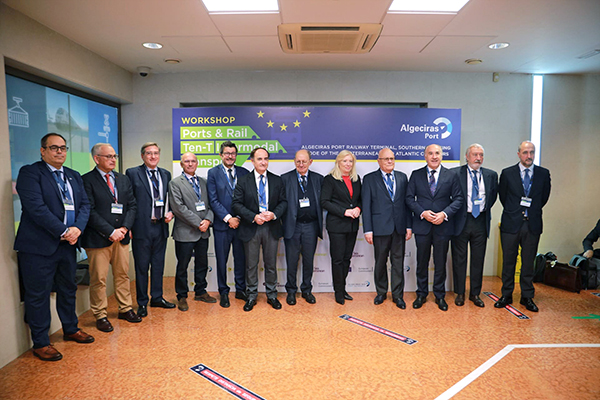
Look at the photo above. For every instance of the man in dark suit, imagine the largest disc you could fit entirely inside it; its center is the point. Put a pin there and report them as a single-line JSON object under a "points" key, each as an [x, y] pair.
{"points": [[588, 242], [55, 210], [221, 181], [302, 224], [259, 199], [106, 237], [188, 198], [479, 188], [387, 223], [434, 196], [524, 190], [151, 227]]}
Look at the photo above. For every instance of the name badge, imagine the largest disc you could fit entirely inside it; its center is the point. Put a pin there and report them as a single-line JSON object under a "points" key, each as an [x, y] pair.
{"points": [[69, 205], [262, 208], [200, 206], [116, 208], [304, 203], [159, 203], [478, 202], [525, 201]]}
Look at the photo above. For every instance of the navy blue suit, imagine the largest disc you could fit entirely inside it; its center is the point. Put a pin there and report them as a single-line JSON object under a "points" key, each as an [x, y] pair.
{"points": [[220, 195], [43, 257], [447, 198], [388, 220], [149, 239]]}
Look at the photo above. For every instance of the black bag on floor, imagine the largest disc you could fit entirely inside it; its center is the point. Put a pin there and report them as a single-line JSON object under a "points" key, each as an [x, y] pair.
{"points": [[589, 270], [539, 266]]}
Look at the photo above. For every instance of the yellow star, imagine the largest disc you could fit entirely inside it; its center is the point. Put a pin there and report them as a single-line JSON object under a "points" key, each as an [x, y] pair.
{"points": [[296, 124], [306, 114], [283, 127], [270, 124], [260, 114]]}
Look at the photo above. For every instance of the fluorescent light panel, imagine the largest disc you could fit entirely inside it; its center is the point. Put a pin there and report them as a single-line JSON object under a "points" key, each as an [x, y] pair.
{"points": [[241, 6], [427, 6], [536, 115]]}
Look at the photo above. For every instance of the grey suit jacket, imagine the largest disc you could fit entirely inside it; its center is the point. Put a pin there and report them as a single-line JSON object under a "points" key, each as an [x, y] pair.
{"points": [[182, 199]]}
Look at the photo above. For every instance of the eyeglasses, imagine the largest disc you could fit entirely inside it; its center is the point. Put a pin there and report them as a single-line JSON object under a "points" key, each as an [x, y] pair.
{"points": [[152, 153], [55, 148], [301, 162], [109, 156], [387, 159], [226, 153]]}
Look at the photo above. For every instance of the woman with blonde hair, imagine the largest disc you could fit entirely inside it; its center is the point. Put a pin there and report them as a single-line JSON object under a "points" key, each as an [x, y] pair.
{"points": [[340, 197]]}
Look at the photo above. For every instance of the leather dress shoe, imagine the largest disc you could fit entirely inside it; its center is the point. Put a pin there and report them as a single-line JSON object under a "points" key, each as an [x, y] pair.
{"points": [[477, 301], [161, 303], [379, 299], [249, 305], [224, 302], [275, 303], [104, 325], [460, 300], [309, 297], [441, 302], [529, 304], [205, 297], [182, 304], [503, 302], [400, 303], [418, 303], [241, 296], [130, 316], [47, 353], [79, 337], [291, 299], [347, 296], [142, 311], [340, 298]]}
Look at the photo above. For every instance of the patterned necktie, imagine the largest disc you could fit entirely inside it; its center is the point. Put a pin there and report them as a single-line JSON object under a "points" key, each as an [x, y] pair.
{"points": [[474, 196], [303, 179], [526, 182], [157, 209], [110, 186], [196, 187], [261, 191], [432, 184], [66, 196], [390, 185], [231, 178]]}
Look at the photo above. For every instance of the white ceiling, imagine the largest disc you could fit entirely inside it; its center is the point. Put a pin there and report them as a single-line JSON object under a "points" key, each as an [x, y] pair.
{"points": [[545, 36]]}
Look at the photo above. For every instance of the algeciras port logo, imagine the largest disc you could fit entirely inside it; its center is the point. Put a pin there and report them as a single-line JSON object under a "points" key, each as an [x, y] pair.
{"points": [[440, 129]]}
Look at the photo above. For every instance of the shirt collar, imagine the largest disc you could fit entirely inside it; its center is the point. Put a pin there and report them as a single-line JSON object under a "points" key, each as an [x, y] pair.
{"points": [[188, 176]]}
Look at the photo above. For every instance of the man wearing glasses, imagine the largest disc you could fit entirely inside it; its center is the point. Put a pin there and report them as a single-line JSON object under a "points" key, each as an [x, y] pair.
{"points": [[302, 224], [106, 238], [221, 181], [151, 227], [55, 210]]}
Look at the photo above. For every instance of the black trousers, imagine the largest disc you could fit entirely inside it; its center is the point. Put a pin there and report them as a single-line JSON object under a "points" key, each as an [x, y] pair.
{"points": [[149, 256], [510, 249], [341, 247], [440, 245], [392, 246], [475, 234], [303, 242], [184, 252]]}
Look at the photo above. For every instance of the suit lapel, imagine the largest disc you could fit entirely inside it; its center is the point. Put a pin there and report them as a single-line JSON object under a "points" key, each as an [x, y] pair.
{"points": [[464, 175], [163, 178], [383, 185], [143, 176], [50, 176]]}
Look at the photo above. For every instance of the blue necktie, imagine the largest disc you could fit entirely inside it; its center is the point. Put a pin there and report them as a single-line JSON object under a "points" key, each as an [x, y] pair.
{"points": [[526, 182], [66, 196], [231, 179], [261, 192], [475, 196], [156, 193], [196, 187], [390, 185], [432, 184]]}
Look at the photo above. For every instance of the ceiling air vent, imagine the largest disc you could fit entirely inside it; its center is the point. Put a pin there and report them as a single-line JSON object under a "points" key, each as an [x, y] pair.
{"points": [[328, 38]]}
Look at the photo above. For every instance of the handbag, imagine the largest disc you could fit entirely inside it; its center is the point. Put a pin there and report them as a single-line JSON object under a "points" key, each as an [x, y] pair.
{"points": [[562, 276]]}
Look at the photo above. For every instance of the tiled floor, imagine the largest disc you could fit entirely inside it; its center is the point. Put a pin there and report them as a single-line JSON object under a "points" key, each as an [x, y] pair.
{"points": [[308, 352]]}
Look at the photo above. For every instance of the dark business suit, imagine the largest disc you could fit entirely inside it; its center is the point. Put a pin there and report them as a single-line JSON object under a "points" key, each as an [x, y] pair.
{"points": [[518, 229], [149, 237], [43, 257], [220, 196], [246, 205], [447, 198], [189, 239], [388, 220], [591, 238], [471, 230], [342, 230], [301, 227]]}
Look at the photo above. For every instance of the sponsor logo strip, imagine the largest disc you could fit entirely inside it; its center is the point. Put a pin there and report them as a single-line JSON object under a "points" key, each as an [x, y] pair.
{"points": [[224, 383], [378, 329], [509, 307]]}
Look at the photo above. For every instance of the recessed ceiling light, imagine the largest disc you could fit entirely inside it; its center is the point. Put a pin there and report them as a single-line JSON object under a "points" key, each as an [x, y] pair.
{"points": [[473, 61], [152, 46], [172, 60], [241, 6], [426, 6], [589, 54], [498, 46]]}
